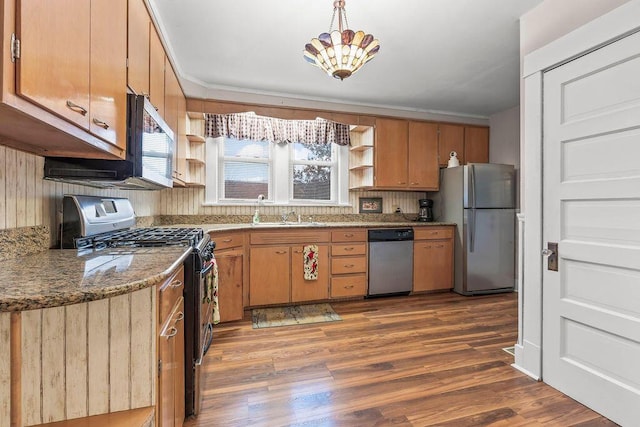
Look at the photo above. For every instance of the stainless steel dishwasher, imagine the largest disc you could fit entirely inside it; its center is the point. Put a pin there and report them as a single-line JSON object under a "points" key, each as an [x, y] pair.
{"points": [[390, 261]]}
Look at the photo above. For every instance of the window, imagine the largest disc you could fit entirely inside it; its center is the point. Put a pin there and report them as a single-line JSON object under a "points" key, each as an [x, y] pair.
{"points": [[291, 173]]}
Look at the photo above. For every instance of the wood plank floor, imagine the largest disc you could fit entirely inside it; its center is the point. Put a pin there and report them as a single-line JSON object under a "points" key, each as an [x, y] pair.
{"points": [[402, 361]]}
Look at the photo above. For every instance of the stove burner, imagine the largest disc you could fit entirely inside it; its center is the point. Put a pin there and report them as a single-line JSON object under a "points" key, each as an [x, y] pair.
{"points": [[143, 237]]}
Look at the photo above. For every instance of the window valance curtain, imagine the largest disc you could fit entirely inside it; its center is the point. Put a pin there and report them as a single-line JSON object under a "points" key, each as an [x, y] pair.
{"points": [[260, 128]]}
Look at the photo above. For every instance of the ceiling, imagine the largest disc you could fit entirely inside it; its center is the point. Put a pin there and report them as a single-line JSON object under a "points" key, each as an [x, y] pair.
{"points": [[458, 57]]}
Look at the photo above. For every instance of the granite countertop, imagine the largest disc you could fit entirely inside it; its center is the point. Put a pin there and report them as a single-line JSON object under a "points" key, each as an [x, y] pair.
{"points": [[271, 226], [62, 277]]}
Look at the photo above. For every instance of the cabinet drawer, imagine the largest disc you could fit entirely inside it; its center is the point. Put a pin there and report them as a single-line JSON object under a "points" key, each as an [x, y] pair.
{"points": [[349, 249], [349, 286], [289, 237], [169, 293], [428, 233], [225, 241], [346, 265], [349, 235]]}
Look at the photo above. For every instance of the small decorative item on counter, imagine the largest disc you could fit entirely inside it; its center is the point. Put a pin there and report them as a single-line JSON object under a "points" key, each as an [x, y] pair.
{"points": [[453, 160]]}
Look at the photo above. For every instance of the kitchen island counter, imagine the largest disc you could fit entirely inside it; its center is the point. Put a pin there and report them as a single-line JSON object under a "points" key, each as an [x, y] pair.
{"points": [[63, 277]]}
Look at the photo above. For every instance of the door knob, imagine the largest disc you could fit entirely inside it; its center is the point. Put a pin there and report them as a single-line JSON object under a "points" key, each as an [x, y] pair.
{"points": [[551, 252]]}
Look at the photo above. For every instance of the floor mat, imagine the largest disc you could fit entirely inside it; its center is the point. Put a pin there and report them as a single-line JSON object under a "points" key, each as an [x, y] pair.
{"points": [[293, 315]]}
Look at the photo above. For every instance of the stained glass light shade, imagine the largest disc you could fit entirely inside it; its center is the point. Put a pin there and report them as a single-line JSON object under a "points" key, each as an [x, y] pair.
{"points": [[341, 52]]}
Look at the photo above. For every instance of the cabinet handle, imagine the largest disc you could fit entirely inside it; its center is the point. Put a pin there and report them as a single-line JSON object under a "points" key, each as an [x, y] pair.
{"points": [[402, 182], [440, 246], [227, 240], [435, 233], [348, 287], [349, 265], [348, 235], [172, 332], [415, 183], [176, 284], [180, 317], [281, 252], [75, 107], [100, 123], [350, 248]]}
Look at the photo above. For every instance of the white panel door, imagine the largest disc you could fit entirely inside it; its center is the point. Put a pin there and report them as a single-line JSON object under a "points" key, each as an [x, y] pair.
{"points": [[591, 306]]}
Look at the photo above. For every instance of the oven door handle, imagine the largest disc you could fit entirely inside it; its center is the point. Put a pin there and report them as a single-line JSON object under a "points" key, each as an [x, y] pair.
{"points": [[208, 334], [206, 270]]}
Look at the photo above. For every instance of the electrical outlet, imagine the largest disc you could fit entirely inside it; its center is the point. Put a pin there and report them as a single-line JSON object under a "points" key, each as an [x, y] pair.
{"points": [[395, 208]]}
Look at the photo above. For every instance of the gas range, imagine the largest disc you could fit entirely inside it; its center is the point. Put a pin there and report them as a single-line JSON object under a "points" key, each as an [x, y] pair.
{"points": [[143, 237]]}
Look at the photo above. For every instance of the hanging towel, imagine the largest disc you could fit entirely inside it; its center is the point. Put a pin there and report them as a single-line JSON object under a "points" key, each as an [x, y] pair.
{"points": [[310, 253], [211, 291]]}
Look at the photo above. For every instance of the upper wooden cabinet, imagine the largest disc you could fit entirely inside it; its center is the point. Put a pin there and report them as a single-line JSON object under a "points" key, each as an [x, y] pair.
{"points": [[74, 64], [391, 153], [406, 155], [470, 142], [156, 71], [476, 144], [138, 48], [451, 138]]}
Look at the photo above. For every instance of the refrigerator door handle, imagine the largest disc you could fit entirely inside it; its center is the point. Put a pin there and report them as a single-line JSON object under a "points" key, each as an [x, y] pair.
{"points": [[472, 184], [472, 226]]}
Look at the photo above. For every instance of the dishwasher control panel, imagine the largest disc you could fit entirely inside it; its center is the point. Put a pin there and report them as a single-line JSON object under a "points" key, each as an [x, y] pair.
{"points": [[390, 234]]}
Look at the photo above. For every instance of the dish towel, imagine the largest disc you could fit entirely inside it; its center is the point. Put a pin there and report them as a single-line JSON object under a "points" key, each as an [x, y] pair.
{"points": [[310, 262], [211, 291]]}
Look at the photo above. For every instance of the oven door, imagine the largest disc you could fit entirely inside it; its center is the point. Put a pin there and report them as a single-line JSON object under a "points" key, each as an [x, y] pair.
{"points": [[209, 283]]}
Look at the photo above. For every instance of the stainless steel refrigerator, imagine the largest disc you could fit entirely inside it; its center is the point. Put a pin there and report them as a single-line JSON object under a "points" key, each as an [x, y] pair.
{"points": [[481, 199]]}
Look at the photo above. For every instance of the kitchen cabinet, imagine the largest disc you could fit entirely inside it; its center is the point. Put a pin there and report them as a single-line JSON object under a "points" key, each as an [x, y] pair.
{"points": [[470, 142], [156, 71], [269, 275], [309, 290], [195, 151], [139, 24], [406, 155], [432, 259], [275, 266], [348, 263], [476, 144], [171, 374], [229, 254], [180, 154], [361, 157], [74, 64]]}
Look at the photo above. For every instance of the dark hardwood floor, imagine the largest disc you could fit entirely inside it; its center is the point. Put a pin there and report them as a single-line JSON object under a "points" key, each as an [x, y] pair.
{"points": [[402, 361]]}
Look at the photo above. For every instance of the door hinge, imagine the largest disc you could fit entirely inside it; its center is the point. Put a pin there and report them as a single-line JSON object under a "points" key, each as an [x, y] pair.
{"points": [[159, 366], [15, 47]]}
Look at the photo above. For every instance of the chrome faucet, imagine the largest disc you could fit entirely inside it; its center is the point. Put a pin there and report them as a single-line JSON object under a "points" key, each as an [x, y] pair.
{"points": [[285, 215]]}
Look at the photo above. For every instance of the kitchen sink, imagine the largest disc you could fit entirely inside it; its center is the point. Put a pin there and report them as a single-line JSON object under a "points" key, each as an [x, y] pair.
{"points": [[289, 224]]}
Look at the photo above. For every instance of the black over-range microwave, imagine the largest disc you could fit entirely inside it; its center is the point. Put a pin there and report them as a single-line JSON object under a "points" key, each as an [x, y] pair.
{"points": [[149, 160]]}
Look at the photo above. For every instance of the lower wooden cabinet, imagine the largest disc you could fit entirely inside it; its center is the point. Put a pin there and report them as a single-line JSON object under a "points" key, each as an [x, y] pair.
{"points": [[269, 275], [309, 290], [433, 259], [348, 263], [349, 286], [171, 369], [230, 285]]}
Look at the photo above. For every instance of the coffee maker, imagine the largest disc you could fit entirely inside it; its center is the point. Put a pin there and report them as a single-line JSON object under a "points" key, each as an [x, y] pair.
{"points": [[425, 214]]}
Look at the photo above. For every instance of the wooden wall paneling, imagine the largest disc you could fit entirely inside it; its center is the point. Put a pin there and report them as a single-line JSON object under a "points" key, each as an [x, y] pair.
{"points": [[31, 366], [30, 193], [53, 364], [76, 361], [142, 357], [5, 369], [3, 183], [98, 360], [21, 189], [40, 200], [119, 352], [11, 177]]}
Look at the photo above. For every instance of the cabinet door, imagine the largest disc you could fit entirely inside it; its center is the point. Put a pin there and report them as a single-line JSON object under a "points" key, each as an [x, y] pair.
{"points": [[178, 381], [432, 265], [309, 290], [451, 138], [230, 285], [138, 48], [156, 71], [53, 70], [476, 144], [423, 156], [391, 153], [269, 275], [108, 89]]}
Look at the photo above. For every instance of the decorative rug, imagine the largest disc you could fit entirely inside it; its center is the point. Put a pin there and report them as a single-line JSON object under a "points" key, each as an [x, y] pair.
{"points": [[293, 315]]}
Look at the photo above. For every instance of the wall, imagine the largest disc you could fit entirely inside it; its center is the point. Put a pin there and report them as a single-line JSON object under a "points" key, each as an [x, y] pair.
{"points": [[547, 22], [504, 143], [28, 200]]}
